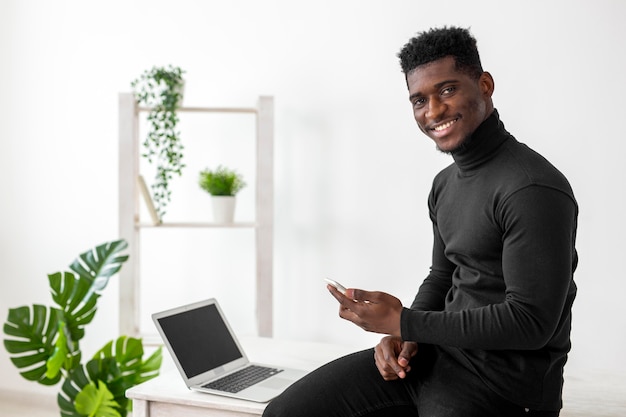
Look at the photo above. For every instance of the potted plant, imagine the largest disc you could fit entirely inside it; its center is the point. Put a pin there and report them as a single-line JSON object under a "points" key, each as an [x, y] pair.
{"points": [[44, 342], [223, 184], [161, 89]]}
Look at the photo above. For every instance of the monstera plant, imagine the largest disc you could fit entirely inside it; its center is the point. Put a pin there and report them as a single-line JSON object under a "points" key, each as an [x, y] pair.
{"points": [[44, 341]]}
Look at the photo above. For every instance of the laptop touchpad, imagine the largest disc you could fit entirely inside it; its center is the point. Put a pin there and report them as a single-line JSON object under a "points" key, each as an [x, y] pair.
{"points": [[275, 383]]}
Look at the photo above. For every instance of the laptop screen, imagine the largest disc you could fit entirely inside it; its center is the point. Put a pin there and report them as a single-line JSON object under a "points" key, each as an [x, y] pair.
{"points": [[200, 339]]}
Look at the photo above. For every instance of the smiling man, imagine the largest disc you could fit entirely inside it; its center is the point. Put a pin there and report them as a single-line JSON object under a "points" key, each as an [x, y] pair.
{"points": [[488, 332]]}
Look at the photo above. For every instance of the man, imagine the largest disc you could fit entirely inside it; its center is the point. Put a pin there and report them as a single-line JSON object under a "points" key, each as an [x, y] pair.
{"points": [[489, 330]]}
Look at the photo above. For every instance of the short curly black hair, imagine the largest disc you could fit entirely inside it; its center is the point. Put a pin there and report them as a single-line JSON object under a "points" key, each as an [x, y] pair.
{"points": [[438, 43]]}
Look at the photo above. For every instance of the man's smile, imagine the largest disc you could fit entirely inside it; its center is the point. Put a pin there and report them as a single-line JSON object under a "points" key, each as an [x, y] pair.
{"points": [[444, 126]]}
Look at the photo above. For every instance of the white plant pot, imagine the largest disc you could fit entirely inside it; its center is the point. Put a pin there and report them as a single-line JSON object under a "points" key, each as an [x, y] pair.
{"points": [[223, 208]]}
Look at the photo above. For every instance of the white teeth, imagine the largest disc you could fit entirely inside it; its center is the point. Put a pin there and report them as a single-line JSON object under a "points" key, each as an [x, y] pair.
{"points": [[444, 126]]}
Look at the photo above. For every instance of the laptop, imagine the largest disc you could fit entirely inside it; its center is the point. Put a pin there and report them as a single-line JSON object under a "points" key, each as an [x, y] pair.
{"points": [[210, 358]]}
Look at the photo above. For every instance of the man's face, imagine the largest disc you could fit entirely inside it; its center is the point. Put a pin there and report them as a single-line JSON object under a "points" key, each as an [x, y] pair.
{"points": [[448, 104]]}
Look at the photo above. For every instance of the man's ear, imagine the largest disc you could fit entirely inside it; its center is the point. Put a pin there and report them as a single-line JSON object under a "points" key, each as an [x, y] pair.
{"points": [[486, 84]]}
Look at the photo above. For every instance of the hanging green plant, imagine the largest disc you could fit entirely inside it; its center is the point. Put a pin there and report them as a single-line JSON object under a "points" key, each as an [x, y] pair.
{"points": [[161, 89]]}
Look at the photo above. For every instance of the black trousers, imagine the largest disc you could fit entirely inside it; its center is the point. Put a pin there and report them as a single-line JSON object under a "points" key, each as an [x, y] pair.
{"points": [[436, 387]]}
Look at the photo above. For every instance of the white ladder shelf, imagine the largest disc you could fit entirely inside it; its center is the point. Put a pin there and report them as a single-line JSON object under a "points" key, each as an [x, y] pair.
{"points": [[130, 225]]}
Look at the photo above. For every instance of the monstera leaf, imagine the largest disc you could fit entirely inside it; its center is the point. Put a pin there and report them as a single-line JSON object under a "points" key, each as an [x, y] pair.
{"points": [[96, 401], [128, 353], [133, 370], [100, 263], [74, 296], [62, 357], [119, 365], [79, 387], [35, 342]]}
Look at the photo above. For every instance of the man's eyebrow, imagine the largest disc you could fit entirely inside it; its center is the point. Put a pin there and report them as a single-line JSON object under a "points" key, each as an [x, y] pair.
{"points": [[436, 86], [441, 84]]}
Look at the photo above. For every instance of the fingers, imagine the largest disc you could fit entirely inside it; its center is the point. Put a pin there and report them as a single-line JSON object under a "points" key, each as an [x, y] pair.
{"points": [[357, 314], [335, 293], [384, 368], [409, 349], [350, 314], [346, 305], [346, 302], [362, 295], [386, 359]]}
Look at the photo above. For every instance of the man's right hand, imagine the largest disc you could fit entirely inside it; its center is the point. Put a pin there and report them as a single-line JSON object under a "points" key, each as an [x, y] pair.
{"points": [[392, 357]]}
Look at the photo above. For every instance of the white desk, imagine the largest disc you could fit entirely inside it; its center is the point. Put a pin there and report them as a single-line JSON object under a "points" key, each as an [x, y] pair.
{"points": [[167, 395]]}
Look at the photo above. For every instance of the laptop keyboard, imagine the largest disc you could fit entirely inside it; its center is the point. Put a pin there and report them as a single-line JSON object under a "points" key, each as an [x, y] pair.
{"points": [[242, 379]]}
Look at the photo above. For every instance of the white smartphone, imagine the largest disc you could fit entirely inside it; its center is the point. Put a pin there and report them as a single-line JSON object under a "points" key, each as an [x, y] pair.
{"points": [[337, 285]]}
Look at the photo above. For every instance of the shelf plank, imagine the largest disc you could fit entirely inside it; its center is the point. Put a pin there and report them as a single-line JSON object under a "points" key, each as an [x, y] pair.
{"points": [[208, 109], [235, 225]]}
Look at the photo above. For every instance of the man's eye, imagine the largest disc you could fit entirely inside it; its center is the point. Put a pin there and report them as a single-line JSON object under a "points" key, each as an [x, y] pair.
{"points": [[419, 102], [447, 91]]}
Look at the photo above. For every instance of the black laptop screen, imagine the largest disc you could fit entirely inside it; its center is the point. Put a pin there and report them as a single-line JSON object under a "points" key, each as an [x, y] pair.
{"points": [[200, 339]]}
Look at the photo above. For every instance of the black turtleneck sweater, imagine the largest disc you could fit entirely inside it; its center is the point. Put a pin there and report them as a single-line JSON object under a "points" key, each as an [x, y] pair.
{"points": [[500, 290]]}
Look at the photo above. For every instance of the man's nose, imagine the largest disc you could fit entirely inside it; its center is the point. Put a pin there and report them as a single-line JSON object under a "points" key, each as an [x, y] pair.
{"points": [[436, 108]]}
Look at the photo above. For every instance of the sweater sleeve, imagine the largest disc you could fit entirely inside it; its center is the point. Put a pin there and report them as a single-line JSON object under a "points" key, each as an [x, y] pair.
{"points": [[538, 257]]}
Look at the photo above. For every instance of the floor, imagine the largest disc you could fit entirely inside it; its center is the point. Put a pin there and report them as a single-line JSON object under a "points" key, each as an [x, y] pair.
{"points": [[19, 404]]}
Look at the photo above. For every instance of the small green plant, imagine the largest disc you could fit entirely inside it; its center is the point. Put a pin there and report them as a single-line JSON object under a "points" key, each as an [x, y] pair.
{"points": [[44, 342], [221, 182], [160, 88]]}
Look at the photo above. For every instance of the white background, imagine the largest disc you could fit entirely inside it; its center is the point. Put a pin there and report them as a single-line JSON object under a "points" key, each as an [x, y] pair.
{"points": [[352, 169]]}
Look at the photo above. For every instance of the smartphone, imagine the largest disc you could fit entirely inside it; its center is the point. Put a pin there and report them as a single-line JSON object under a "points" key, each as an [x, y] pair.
{"points": [[337, 285]]}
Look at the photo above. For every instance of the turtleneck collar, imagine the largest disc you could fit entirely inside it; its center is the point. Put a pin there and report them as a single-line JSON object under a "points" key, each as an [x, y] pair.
{"points": [[483, 144]]}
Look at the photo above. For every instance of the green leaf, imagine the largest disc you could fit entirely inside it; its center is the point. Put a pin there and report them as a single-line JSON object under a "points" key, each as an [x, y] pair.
{"points": [[96, 401], [100, 263], [58, 358], [129, 368], [73, 384], [73, 295], [150, 368], [119, 366], [33, 343]]}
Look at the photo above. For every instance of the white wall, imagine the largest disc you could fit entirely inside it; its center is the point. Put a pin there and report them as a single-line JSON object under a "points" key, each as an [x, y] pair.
{"points": [[352, 169]]}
